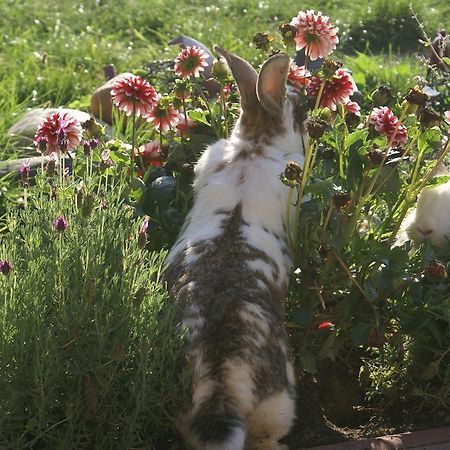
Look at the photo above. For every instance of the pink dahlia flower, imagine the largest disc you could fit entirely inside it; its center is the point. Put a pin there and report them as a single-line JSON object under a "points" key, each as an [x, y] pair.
{"points": [[298, 76], [353, 107], [337, 90], [150, 154], [133, 94], [384, 121], [190, 62], [163, 116], [315, 34], [58, 132]]}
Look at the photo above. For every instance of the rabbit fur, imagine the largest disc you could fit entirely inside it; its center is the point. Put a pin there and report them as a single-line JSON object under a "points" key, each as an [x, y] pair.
{"points": [[228, 271], [429, 219]]}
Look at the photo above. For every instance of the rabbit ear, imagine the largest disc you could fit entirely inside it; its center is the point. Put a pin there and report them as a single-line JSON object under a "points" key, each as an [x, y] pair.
{"points": [[271, 84], [245, 76]]}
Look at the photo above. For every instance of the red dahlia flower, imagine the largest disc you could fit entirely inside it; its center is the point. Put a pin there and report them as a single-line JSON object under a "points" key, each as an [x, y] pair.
{"points": [[133, 94], [298, 76], [337, 90], [58, 132]]}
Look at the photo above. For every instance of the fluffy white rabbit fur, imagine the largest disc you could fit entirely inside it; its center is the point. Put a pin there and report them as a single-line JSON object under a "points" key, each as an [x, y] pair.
{"points": [[429, 219]]}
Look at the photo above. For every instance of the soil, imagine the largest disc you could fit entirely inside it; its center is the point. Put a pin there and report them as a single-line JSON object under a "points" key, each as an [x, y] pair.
{"points": [[329, 422]]}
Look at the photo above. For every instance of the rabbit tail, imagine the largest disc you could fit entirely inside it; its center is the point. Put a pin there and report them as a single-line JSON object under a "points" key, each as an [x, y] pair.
{"points": [[214, 425]]}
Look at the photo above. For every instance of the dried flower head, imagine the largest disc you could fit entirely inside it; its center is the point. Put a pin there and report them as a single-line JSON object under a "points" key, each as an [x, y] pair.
{"points": [[134, 95], [60, 224], [262, 41], [58, 133], [336, 90], [316, 127], [315, 34], [341, 200], [288, 33], [219, 71], [190, 62], [416, 96], [293, 171], [93, 129], [428, 117]]}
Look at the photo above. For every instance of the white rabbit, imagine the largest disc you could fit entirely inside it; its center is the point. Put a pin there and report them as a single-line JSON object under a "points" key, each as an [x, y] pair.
{"points": [[228, 271], [430, 219]]}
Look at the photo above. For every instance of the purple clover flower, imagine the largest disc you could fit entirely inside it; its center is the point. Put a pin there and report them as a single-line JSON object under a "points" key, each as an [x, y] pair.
{"points": [[5, 267], [60, 224]]}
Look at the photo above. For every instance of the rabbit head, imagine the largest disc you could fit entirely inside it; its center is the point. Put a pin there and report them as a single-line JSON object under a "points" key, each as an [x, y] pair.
{"points": [[431, 217], [272, 112]]}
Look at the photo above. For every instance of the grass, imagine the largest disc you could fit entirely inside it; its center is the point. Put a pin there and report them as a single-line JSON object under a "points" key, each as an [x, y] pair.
{"points": [[54, 56]]}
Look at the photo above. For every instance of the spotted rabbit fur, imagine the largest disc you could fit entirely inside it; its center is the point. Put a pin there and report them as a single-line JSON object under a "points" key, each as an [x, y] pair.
{"points": [[228, 271]]}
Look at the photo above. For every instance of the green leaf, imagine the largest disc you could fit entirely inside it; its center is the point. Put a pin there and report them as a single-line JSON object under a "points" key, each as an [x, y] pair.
{"points": [[429, 140], [436, 181], [307, 360], [361, 332], [198, 116], [302, 316], [358, 135], [446, 60]]}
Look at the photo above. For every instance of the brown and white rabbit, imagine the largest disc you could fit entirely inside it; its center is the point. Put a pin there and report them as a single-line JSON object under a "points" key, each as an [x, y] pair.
{"points": [[228, 271]]}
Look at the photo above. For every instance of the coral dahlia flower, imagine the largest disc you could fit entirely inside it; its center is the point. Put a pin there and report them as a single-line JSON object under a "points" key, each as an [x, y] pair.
{"points": [[325, 325], [298, 76], [384, 121], [58, 133], [353, 107], [337, 89], [190, 62], [150, 154], [315, 34], [132, 94], [163, 116]]}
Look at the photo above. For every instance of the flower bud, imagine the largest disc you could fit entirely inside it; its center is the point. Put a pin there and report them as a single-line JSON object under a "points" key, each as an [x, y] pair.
{"points": [[219, 70], [182, 90], [325, 114], [5, 267], [24, 171], [352, 119], [60, 224], [341, 200], [382, 96], [375, 156], [293, 171], [316, 128], [93, 128], [325, 151], [329, 68], [88, 205], [142, 236]]}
